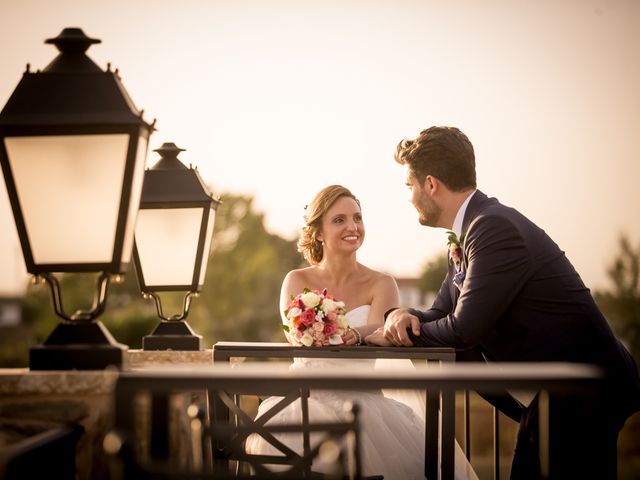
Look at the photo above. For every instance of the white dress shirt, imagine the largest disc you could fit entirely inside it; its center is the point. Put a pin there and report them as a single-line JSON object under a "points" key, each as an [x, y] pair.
{"points": [[457, 222]]}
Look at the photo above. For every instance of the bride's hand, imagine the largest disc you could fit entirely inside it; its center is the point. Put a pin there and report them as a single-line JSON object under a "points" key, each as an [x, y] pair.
{"points": [[377, 338], [352, 337]]}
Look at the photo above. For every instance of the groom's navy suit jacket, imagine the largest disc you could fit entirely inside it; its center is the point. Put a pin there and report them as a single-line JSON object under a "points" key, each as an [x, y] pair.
{"points": [[522, 300]]}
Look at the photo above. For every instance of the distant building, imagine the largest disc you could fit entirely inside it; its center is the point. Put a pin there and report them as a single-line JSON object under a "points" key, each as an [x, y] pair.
{"points": [[411, 296]]}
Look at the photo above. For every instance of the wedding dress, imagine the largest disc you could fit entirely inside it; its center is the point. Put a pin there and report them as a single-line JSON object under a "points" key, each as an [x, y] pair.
{"points": [[392, 431]]}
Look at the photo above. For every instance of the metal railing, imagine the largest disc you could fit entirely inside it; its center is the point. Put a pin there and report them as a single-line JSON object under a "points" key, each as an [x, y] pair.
{"points": [[34, 456], [435, 398], [445, 379], [224, 352]]}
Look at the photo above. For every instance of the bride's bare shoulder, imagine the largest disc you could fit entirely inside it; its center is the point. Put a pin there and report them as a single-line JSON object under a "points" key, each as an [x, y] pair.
{"points": [[305, 272], [376, 277], [300, 278]]}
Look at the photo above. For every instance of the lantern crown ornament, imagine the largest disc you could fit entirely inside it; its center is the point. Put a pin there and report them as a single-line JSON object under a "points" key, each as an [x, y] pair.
{"points": [[172, 243], [73, 151]]}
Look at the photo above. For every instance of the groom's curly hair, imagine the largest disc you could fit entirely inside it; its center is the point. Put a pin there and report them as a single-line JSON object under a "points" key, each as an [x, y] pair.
{"points": [[444, 152], [308, 244]]}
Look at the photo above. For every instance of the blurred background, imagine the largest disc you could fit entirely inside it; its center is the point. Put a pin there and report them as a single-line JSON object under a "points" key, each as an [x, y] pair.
{"points": [[274, 100]]}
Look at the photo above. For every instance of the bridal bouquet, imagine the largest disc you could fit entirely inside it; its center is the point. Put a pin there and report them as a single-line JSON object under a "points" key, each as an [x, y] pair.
{"points": [[315, 318]]}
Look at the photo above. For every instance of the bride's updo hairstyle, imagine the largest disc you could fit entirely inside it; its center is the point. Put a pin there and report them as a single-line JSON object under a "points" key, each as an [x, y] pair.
{"points": [[309, 245]]}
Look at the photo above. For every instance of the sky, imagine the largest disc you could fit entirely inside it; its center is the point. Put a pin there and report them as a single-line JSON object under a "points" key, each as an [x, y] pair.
{"points": [[278, 99]]}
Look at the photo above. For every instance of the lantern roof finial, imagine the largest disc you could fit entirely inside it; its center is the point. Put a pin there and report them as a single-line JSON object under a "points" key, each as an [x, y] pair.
{"points": [[169, 152], [72, 43]]}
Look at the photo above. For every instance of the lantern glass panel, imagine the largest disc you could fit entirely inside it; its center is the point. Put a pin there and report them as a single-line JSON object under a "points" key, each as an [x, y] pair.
{"points": [[167, 244], [134, 204], [69, 188], [207, 245]]}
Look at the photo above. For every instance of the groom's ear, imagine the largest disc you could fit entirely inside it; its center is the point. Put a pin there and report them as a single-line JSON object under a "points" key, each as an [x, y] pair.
{"points": [[431, 184]]}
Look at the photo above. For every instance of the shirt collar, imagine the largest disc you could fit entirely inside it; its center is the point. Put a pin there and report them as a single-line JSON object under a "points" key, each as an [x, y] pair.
{"points": [[457, 222]]}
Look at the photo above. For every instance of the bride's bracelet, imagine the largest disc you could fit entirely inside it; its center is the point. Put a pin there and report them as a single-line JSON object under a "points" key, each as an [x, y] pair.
{"points": [[358, 336]]}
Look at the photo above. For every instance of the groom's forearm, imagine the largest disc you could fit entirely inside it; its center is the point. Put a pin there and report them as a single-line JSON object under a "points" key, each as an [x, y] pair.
{"points": [[437, 333], [428, 315]]}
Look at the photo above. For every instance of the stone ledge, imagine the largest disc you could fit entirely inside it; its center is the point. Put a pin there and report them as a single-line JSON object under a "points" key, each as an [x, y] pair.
{"points": [[22, 381], [141, 359]]}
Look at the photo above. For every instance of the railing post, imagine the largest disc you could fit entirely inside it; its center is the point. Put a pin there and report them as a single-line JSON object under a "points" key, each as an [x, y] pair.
{"points": [[496, 444], [448, 399], [159, 426], [467, 426], [543, 429]]}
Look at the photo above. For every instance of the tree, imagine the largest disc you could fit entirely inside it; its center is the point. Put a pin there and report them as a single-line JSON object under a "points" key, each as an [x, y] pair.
{"points": [[621, 305], [433, 274], [240, 298]]}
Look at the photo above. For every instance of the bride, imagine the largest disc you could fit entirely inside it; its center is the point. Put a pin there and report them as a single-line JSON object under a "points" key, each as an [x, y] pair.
{"points": [[392, 433]]}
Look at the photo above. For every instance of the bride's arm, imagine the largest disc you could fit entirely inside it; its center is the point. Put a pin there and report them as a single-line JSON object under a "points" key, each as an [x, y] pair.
{"points": [[384, 296], [290, 284]]}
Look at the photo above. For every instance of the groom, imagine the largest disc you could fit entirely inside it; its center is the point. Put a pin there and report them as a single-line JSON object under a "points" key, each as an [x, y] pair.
{"points": [[511, 295]]}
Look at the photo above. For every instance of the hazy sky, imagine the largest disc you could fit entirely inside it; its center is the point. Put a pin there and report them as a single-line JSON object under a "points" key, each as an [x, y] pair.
{"points": [[280, 98]]}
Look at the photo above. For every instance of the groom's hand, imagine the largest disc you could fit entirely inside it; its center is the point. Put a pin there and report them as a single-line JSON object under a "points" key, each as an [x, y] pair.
{"points": [[395, 328]]}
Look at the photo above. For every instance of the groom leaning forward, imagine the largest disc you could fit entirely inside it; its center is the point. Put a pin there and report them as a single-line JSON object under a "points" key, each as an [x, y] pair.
{"points": [[511, 295]]}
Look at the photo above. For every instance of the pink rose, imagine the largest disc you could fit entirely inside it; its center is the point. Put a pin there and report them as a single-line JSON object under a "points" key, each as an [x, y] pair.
{"points": [[332, 316], [455, 252], [308, 317], [318, 327], [330, 328]]}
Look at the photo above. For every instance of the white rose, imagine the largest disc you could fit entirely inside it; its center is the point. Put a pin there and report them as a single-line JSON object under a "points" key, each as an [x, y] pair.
{"points": [[340, 304], [307, 340], [343, 322], [328, 305], [335, 340], [310, 299], [294, 312], [295, 337]]}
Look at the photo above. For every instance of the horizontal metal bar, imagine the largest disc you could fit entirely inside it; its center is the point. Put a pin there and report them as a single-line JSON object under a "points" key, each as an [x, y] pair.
{"points": [[222, 351], [445, 377]]}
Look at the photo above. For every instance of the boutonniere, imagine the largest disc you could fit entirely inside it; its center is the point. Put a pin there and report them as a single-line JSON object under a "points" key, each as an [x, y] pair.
{"points": [[455, 247]]}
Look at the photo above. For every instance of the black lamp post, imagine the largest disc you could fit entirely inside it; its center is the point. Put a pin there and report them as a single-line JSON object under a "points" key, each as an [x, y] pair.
{"points": [[73, 150], [172, 243]]}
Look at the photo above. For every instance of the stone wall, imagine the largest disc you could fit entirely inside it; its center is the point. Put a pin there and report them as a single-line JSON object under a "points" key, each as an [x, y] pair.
{"points": [[34, 401]]}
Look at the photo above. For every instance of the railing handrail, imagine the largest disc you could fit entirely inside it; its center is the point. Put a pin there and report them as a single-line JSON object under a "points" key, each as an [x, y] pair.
{"points": [[222, 351], [447, 376]]}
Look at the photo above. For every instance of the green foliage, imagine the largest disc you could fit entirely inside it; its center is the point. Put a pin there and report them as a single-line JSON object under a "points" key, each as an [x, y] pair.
{"points": [[240, 298], [433, 274], [621, 305], [452, 239]]}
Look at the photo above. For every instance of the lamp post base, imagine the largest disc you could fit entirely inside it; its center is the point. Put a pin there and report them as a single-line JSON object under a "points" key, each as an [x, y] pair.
{"points": [[172, 335], [78, 346]]}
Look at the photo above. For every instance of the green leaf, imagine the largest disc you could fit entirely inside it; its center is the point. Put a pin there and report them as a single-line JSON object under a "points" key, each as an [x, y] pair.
{"points": [[285, 328]]}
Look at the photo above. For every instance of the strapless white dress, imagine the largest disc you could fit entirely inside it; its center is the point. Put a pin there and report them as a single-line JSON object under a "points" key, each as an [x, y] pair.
{"points": [[392, 432]]}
